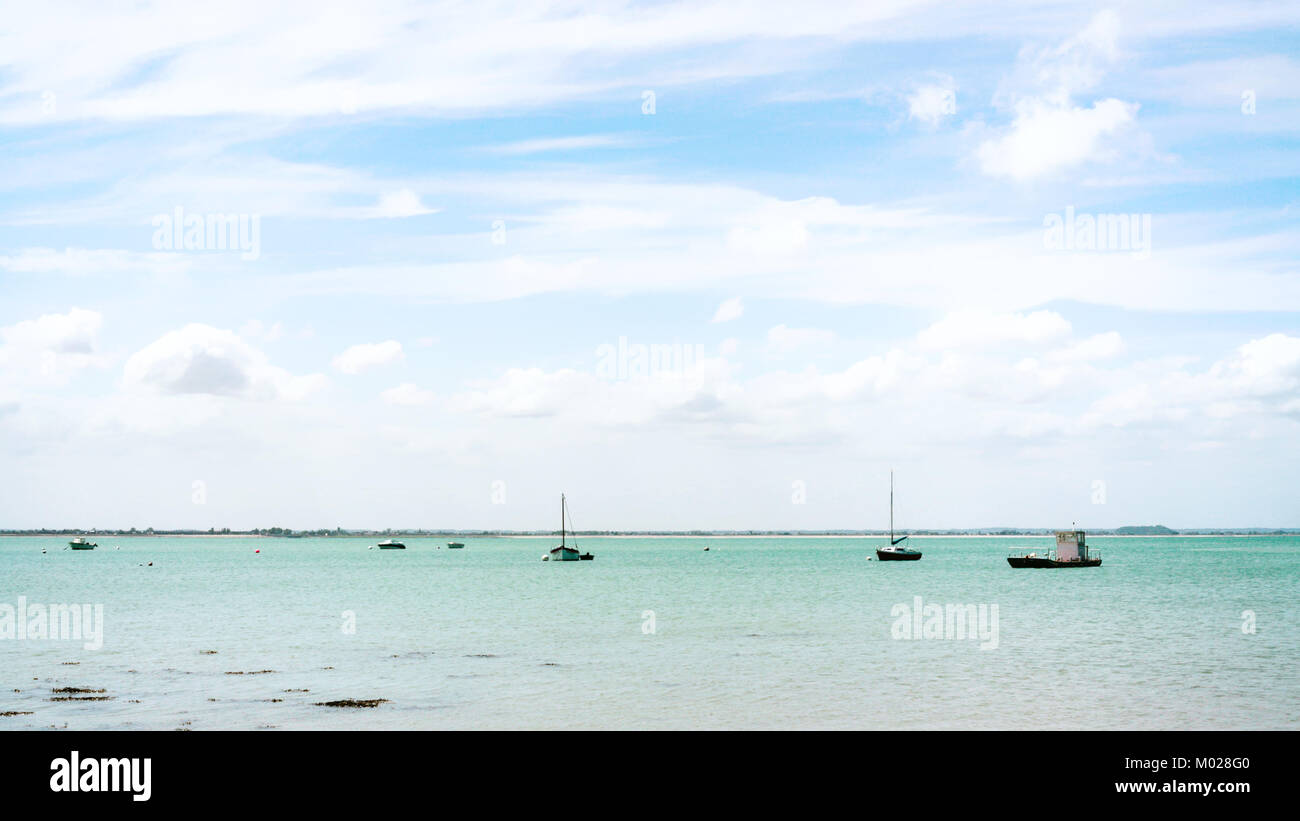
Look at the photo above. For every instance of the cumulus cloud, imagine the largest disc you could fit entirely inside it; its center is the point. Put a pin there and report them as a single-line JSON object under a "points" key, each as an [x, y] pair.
{"points": [[1046, 138], [1266, 367], [70, 333], [363, 357], [201, 359], [1050, 132], [50, 348]]}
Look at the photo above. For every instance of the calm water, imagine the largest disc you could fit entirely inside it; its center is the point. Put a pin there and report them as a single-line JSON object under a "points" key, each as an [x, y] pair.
{"points": [[755, 633]]}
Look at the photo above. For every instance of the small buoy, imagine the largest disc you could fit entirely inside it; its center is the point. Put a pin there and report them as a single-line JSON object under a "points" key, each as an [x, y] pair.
{"points": [[258, 550]]}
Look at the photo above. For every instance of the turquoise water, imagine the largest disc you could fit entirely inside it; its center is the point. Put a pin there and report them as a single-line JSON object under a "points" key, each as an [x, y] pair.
{"points": [[754, 633]]}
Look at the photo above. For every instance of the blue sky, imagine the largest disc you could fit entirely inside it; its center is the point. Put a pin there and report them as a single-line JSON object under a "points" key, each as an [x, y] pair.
{"points": [[834, 227]]}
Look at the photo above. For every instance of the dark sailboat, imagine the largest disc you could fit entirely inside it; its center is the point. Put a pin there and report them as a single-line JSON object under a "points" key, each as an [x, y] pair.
{"points": [[894, 553], [564, 553]]}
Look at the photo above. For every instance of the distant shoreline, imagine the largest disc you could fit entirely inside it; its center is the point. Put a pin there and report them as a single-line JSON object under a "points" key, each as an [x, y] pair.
{"points": [[766, 534]]}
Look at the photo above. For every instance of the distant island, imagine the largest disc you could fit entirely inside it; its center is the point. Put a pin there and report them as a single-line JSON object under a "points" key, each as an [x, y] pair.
{"points": [[338, 532]]}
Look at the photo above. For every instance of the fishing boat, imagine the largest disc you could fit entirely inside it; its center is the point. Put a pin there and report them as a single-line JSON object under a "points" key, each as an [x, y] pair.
{"points": [[1071, 551], [389, 544], [564, 553], [894, 553], [80, 543], [455, 545]]}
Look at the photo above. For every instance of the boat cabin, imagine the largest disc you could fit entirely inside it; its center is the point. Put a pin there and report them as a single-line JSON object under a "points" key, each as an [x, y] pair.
{"points": [[1071, 546]]}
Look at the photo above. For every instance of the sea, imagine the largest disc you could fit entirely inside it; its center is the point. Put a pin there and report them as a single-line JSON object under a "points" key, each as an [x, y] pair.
{"points": [[654, 633]]}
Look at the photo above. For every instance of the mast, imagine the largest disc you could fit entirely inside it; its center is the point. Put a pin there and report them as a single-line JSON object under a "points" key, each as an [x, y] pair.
{"points": [[892, 540], [561, 520]]}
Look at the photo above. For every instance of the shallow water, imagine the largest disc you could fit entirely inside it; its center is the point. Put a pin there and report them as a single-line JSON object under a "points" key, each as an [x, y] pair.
{"points": [[755, 633]]}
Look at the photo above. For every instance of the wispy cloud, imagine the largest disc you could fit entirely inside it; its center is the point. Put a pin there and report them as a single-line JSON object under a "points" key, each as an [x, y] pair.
{"points": [[544, 145]]}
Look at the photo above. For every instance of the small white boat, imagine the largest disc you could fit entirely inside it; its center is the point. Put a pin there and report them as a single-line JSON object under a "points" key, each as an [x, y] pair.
{"points": [[390, 544], [80, 543]]}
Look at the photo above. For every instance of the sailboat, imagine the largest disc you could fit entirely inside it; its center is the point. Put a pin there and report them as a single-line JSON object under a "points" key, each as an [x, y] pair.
{"points": [[564, 553], [894, 553]]}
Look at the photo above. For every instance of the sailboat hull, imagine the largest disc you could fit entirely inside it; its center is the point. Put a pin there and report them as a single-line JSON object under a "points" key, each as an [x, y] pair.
{"points": [[897, 556], [564, 554]]}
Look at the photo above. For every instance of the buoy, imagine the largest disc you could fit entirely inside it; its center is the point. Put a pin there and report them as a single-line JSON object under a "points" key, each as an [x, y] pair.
{"points": [[258, 550]]}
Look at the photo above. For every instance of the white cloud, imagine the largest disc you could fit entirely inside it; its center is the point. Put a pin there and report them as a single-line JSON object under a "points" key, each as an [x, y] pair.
{"points": [[547, 144], [1266, 367], [1046, 138], [730, 309], [88, 261], [397, 205], [201, 359], [50, 348], [525, 392], [363, 357], [70, 333], [446, 59], [964, 329], [1099, 346], [408, 394], [1050, 133]]}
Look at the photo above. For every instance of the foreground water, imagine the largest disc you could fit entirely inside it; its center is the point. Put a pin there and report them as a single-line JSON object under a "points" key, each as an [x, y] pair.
{"points": [[655, 633]]}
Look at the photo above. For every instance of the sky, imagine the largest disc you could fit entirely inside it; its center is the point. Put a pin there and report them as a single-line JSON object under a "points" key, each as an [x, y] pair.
{"points": [[696, 265]]}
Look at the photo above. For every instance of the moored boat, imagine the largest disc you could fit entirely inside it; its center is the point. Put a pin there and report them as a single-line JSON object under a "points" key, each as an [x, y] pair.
{"points": [[455, 545], [80, 543], [1071, 551], [892, 552], [390, 544], [564, 553]]}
